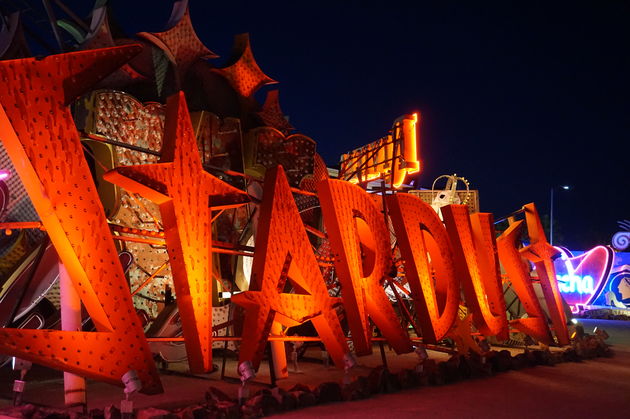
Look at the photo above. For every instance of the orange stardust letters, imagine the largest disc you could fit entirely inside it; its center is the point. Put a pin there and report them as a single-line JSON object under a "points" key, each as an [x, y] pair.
{"points": [[360, 241], [535, 324], [181, 187], [41, 139], [434, 287], [477, 265], [283, 252], [541, 254]]}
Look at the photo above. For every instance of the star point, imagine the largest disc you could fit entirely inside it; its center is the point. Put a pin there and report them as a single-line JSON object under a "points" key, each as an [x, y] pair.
{"points": [[181, 187], [179, 42], [244, 74], [271, 114], [461, 334]]}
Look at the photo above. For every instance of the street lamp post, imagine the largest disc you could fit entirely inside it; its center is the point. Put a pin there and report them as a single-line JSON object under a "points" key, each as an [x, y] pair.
{"points": [[566, 188]]}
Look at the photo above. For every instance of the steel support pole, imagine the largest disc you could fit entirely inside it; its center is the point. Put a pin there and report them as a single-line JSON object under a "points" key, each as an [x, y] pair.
{"points": [[74, 385], [278, 353]]}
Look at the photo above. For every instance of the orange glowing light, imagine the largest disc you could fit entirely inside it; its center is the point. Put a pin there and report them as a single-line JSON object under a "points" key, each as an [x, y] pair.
{"points": [[428, 260], [181, 187], [409, 162], [477, 265], [541, 254], [39, 134], [393, 157], [243, 73], [284, 253], [535, 324], [360, 242]]}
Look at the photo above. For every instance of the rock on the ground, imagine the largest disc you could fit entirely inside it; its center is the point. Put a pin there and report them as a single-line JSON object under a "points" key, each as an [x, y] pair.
{"points": [[571, 355], [305, 398], [357, 389], [194, 412], [300, 387], [380, 380], [520, 361], [328, 392], [407, 379], [264, 402], [112, 412], [225, 410], [501, 361], [479, 365], [96, 414], [287, 400], [153, 413], [214, 395]]}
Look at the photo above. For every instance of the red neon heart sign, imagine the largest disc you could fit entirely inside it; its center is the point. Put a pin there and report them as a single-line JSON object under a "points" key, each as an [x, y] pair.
{"points": [[581, 278]]}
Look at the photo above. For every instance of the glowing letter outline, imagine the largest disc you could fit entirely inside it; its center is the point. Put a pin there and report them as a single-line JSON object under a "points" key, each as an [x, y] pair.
{"points": [[419, 231], [39, 134], [517, 271], [541, 254], [355, 226], [477, 265], [283, 252], [181, 187]]}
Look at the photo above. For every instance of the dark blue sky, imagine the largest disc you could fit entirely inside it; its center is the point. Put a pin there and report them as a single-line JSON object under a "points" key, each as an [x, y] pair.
{"points": [[516, 98]]}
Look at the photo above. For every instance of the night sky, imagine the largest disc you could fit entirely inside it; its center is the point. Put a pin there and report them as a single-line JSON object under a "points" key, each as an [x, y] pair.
{"points": [[516, 98]]}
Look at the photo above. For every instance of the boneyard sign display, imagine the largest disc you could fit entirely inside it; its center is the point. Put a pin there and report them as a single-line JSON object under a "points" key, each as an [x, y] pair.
{"points": [[323, 249]]}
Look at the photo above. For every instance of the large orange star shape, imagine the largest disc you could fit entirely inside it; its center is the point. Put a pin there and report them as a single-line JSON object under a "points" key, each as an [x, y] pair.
{"points": [[180, 42], [243, 73], [271, 114], [181, 187]]}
